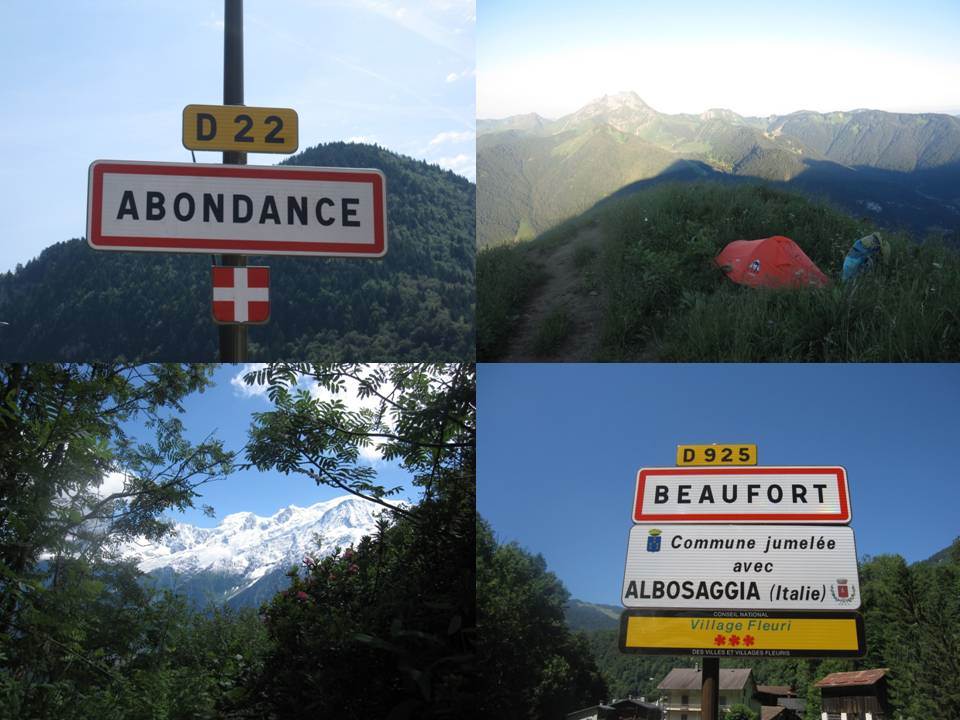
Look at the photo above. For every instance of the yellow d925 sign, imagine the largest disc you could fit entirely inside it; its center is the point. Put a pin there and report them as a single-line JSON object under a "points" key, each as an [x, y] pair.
{"points": [[717, 454], [742, 633], [240, 128]]}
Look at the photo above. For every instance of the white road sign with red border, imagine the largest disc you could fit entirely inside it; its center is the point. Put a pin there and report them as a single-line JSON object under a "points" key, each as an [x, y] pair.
{"points": [[742, 495], [236, 209]]}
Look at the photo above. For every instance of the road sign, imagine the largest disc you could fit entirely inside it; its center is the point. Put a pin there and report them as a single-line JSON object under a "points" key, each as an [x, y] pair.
{"points": [[742, 495], [742, 633], [738, 454], [240, 128], [285, 210], [241, 295], [782, 567]]}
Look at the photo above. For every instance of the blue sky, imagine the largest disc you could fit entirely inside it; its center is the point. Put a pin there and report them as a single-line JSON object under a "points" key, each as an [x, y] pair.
{"points": [[225, 410], [559, 447], [108, 79], [756, 58]]}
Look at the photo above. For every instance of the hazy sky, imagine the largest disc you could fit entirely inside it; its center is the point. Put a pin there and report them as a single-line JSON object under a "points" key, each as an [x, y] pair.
{"points": [[108, 79], [754, 57], [225, 410], [560, 446]]}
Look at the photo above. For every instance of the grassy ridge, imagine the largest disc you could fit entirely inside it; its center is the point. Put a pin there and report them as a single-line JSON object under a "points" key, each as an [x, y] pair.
{"points": [[667, 300]]}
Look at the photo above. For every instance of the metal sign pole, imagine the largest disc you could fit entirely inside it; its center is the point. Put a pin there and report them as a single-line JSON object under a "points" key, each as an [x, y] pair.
{"points": [[233, 338], [710, 689]]}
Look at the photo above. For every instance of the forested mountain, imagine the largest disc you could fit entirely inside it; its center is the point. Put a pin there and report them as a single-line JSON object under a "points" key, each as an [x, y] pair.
{"points": [[73, 302], [899, 169]]}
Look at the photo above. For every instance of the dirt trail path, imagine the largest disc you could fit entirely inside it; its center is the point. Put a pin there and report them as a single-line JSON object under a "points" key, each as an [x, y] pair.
{"points": [[570, 286]]}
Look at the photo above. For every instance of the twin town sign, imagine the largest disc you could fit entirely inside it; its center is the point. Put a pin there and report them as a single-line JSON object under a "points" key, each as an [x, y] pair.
{"points": [[721, 566], [741, 561]]}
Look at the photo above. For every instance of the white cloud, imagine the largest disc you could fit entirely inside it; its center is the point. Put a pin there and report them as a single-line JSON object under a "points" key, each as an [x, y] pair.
{"points": [[241, 389], [454, 76], [348, 396], [462, 164], [112, 482], [453, 136]]}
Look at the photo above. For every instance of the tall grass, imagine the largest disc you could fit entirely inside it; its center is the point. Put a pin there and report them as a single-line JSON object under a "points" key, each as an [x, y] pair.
{"points": [[507, 276], [665, 293]]}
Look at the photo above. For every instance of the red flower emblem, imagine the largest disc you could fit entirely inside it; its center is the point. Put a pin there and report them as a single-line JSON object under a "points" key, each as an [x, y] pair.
{"points": [[748, 640], [719, 640], [734, 640]]}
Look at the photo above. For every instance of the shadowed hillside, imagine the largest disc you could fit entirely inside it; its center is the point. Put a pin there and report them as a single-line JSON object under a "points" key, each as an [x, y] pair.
{"points": [[900, 170], [643, 265]]}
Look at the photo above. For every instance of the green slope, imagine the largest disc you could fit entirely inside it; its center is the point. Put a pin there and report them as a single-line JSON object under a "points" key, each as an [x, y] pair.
{"points": [[666, 300]]}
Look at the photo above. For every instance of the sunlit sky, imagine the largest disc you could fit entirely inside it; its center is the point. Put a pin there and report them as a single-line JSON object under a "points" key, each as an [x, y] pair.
{"points": [[756, 58], [108, 79], [225, 412], [559, 447]]}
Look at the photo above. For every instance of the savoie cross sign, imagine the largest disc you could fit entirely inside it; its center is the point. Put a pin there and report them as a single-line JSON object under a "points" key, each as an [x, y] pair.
{"points": [[237, 209], [774, 567]]}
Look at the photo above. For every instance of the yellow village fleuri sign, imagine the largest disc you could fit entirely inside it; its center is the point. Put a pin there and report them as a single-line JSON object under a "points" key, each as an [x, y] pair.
{"points": [[742, 633]]}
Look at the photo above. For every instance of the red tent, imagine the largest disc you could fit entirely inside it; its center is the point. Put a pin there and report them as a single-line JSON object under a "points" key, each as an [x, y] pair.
{"points": [[774, 262]]}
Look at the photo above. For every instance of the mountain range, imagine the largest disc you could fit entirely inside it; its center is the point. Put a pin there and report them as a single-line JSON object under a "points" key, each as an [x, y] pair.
{"points": [[416, 303], [243, 561], [899, 169]]}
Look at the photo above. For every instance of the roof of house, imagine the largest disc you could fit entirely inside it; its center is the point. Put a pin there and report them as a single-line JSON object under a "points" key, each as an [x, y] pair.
{"points": [[858, 677], [627, 702], [690, 679], [783, 690], [769, 712]]}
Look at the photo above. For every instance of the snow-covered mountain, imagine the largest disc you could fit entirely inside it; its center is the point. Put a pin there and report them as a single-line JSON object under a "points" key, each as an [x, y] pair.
{"points": [[244, 559]]}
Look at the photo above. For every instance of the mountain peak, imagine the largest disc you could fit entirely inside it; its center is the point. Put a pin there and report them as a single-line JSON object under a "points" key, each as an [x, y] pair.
{"points": [[626, 99], [248, 544]]}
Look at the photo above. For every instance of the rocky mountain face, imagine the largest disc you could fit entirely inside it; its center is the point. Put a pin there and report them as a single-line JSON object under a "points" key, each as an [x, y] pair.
{"points": [[244, 559], [902, 169]]}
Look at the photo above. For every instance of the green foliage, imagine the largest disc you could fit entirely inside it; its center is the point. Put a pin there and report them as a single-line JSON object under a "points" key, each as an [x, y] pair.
{"points": [[80, 636], [665, 293], [386, 628], [739, 712], [553, 331], [417, 303], [506, 278], [534, 667]]}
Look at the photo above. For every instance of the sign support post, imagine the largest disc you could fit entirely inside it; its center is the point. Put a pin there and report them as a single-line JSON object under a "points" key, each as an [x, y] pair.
{"points": [[233, 338], [710, 689]]}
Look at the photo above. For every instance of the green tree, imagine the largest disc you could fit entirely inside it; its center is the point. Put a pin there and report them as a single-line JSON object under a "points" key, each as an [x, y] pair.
{"points": [[69, 614], [739, 712], [534, 667], [385, 628]]}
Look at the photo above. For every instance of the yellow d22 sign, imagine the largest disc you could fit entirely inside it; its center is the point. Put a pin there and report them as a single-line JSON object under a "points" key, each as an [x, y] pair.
{"points": [[742, 633], [240, 128], [736, 454]]}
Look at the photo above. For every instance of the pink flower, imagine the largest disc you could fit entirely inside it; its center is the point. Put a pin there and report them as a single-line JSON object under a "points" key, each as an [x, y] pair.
{"points": [[309, 561], [333, 578], [302, 596], [347, 554], [354, 569]]}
